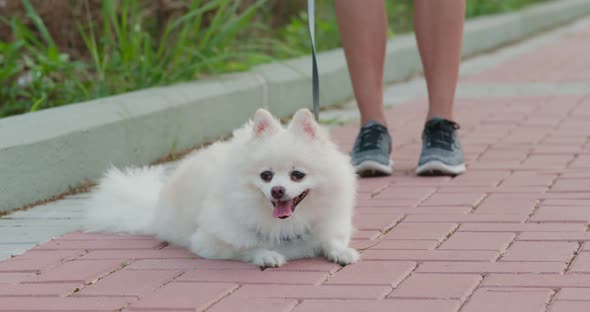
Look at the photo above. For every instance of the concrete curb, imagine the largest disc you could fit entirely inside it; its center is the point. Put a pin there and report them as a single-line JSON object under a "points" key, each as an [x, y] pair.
{"points": [[45, 153]]}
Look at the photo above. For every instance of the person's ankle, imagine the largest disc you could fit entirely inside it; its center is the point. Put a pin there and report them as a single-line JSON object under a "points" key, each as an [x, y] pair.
{"points": [[379, 120], [447, 116]]}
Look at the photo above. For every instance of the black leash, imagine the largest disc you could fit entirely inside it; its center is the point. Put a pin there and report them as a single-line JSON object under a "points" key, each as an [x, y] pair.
{"points": [[315, 76]]}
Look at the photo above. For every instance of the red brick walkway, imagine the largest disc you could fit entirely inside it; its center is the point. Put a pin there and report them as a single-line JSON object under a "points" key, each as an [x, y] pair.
{"points": [[512, 234]]}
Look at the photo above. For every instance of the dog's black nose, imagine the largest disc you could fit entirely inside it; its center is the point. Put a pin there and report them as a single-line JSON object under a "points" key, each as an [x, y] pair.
{"points": [[277, 192]]}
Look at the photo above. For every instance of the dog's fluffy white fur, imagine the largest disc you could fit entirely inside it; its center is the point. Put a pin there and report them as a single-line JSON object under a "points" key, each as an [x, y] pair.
{"points": [[218, 203]]}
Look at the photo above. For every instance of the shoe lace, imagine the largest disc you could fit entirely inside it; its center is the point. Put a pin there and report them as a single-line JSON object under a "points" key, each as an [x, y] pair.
{"points": [[439, 133], [370, 138]]}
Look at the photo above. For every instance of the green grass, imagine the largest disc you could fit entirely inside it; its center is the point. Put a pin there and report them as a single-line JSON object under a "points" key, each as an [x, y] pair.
{"points": [[128, 51], [36, 62], [127, 56]]}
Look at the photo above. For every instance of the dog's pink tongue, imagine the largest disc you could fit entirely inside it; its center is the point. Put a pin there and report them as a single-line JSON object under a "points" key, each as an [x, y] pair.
{"points": [[283, 209]]}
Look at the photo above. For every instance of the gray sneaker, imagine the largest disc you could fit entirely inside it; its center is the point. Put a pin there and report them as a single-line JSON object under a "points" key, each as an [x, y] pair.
{"points": [[371, 154], [441, 150]]}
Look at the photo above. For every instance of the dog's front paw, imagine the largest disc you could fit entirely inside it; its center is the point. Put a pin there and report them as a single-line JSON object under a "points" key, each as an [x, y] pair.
{"points": [[343, 256], [268, 259]]}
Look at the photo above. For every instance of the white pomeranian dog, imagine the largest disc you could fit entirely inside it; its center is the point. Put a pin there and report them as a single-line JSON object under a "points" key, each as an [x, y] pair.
{"points": [[267, 195]]}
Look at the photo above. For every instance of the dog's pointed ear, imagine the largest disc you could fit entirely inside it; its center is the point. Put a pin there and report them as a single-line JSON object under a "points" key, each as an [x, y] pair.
{"points": [[304, 124], [264, 123]]}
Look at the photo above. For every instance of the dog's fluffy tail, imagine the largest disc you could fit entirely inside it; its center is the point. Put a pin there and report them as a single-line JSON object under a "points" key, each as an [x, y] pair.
{"points": [[125, 201]]}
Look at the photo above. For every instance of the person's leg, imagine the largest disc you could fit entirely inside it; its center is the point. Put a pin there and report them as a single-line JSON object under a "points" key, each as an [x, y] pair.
{"points": [[439, 33], [363, 29]]}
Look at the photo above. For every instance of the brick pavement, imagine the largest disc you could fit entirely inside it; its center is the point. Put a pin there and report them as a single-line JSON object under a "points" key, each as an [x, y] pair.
{"points": [[512, 234]]}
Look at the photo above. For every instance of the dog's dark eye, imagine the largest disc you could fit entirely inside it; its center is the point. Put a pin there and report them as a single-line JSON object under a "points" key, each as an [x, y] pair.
{"points": [[266, 176], [297, 176]]}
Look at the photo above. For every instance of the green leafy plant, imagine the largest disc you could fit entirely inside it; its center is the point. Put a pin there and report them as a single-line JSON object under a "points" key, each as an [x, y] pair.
{"points": [[127, 55], [34, 72]]}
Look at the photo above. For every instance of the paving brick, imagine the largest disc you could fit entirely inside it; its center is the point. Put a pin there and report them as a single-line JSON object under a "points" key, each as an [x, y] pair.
{"points": [[254, 277], [382, 210], [381, 222], [581, 162], [437, 286], [378, 306], [302, 265], [491, 155], [35, 261], [437, 210], [466, 218], [361, 245], [534, 251], [124, 244], [491, 267], [561, 214], [540, 190], [480, 178], [189, 265], [460, 199], [63, 304], [372, 273], [38, 290], [574, 173], [581, 294], [13, 278], [507, 204], [431, 231], [495, 165], [546, 161], [138, 254], [387, 203], [508, 300], [367, 235], [571, 185], [406, 181], [430, 255], [78, 271], [189, 296], [129, 283], [521, 136], [478, 241], [565, 140], [555, 200], [559, 150], [537, 280], [555, 236], [581, 263], [372, 185], [314, 292], [569, 306], [521, 227], [310, 265], [232, 304], [417, 244], [401, 192], [520, 178]]}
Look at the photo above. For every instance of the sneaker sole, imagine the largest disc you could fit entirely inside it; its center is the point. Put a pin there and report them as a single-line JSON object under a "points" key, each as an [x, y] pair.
{"points": [[371, 168], [438, 168]]}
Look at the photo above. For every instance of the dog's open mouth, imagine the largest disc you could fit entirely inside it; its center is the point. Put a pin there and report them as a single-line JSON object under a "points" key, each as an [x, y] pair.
{"points": [[284, 208]]}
